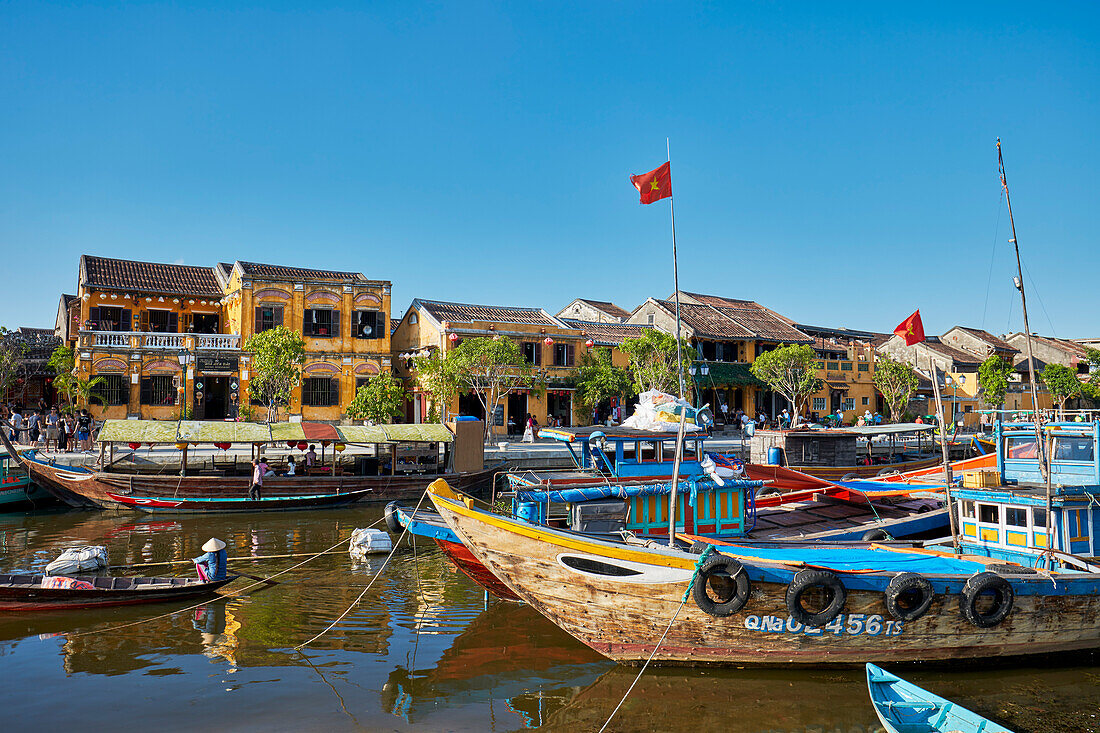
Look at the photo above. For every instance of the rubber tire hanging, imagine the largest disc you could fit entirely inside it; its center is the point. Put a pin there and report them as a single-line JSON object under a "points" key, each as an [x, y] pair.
{"points": [[981, 583], [903, 583], [742, 587], [803, 581], [392, 524]]}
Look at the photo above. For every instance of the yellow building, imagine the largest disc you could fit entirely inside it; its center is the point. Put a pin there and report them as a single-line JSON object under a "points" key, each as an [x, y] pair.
{"points": [[167, 339], [549, 344]]}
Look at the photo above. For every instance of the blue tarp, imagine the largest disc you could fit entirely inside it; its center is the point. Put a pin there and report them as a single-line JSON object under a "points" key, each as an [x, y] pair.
{"points": [[858, 559], [613, 491]]}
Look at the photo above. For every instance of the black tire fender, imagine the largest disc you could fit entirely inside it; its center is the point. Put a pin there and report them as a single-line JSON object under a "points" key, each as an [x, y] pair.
{"points": [[904, 584], [742, 587], [876, 535], [803, 581], [849, 476], [392, 524], [978, 585]]}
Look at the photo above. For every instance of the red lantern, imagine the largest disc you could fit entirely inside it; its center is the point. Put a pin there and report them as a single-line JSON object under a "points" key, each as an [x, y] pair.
{"points": [[548, 341], [290, 444], [324, 443], [303, 445], [589, 343], [134, 446]]}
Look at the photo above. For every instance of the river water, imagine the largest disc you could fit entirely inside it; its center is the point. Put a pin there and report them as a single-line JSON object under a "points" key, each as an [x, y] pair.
{"points": [[424, 650]]}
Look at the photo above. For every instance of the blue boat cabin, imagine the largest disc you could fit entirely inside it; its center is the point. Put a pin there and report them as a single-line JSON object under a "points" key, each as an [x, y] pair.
{"points": [[1004, 520]]}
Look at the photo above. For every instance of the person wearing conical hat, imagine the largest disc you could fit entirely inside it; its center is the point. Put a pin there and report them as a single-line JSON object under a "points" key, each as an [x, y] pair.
{"points": [[211, 566]]}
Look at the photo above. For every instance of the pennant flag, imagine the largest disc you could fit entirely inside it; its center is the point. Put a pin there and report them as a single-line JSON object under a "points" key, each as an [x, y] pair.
{"points": [[911, 329], [655, 185]]}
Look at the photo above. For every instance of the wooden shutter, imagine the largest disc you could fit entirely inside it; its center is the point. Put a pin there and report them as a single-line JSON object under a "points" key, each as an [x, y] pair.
{"points": [[186, 319], [173, 323], [278, 312], [538, 353], [335, 324], [259, 319], [144, 320], [307, 322], [334, 391], [569, 354], [125, 320], [93, 316], [146, 391]]}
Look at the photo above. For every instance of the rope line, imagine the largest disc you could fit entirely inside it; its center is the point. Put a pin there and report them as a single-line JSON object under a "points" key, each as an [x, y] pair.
{"points": [[368, 586], [687, 593]]}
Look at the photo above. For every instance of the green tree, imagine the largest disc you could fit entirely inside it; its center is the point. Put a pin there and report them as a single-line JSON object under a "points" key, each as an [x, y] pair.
{"points": [[599, 379], [12, 351], [792, 372], [277, 358], [491, 369], [381, 399], [896, 382], [84, 390], [1062, 382], [653, 362], [437, 377], [62, 362], [993, 377]]}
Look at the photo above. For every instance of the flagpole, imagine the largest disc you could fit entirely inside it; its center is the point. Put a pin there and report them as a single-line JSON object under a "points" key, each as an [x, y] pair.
{"points": [[679, 365], [943, 448]]}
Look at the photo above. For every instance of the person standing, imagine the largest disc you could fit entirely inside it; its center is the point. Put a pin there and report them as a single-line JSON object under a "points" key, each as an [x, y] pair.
{"points": [[68, 432], [84, 431], [52, 432], [311, 458], [257, 480], [17, 435]]}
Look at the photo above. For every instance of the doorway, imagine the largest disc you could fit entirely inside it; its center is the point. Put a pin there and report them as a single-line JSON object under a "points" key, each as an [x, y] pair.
{"points": [[517, 413], [212, 400], [560, 407]]}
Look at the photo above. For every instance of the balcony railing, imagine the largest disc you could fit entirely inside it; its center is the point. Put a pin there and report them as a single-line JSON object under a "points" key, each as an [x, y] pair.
{"points": [[161, 341]]}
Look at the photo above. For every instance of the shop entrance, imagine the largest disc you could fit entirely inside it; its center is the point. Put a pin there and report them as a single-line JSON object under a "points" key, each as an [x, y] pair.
{"points": [[517, 414], [470, 406], [212, 398], [560, 407]]}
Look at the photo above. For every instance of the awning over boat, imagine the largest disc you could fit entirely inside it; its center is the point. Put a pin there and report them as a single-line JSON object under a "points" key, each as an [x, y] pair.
{"points": [[569, 435], [138, 431], [364, 434], [414, 433], [620, 491], [196, 431], [288, 431], [894, 429]]}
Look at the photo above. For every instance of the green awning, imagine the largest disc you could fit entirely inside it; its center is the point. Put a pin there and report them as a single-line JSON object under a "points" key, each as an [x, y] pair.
{"points": [[138, 431], [196, 431], [721, 374], [422, 433], [363, 434]]}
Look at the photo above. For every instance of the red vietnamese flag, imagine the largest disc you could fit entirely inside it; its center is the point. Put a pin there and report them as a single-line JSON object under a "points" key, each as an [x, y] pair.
{"points": [[655, 185], [911, 329]]}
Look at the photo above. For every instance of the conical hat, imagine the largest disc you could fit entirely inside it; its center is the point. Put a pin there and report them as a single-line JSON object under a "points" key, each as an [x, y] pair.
{"points": [[213, 545]]}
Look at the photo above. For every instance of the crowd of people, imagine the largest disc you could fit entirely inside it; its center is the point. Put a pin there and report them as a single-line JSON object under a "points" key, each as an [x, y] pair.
{"points": [[49, 429]]}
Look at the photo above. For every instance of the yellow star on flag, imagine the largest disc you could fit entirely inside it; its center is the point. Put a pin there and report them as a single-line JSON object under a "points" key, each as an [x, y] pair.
{"points": [[654, 186]]}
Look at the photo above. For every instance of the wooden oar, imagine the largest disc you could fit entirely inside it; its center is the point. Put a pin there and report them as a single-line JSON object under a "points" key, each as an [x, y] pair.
{"points": [[230, 559]]}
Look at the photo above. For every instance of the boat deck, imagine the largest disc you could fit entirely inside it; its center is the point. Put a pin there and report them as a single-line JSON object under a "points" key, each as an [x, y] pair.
{"points": [[803, 518]]}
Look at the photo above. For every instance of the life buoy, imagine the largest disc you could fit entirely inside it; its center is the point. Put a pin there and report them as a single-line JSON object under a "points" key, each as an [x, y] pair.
{"points": [[984, 584], [1006, 569], [825, 580], [391, 518], [732, 587], [909, 596]]}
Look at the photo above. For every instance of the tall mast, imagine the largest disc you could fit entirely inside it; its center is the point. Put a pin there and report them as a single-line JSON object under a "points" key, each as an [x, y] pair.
{"points": [[679, 370], [1040, 448]]}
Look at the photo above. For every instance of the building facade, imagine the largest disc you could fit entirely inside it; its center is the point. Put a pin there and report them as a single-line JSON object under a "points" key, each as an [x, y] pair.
{"points": [[168, 339]]}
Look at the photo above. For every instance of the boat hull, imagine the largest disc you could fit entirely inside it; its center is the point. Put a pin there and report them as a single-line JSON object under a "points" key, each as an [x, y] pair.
{"points": [[18, 596], [84, 489], [624, 618], [168, 505]]}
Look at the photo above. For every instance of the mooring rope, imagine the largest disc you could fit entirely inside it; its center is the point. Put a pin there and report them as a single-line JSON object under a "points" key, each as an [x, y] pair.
{"points": [[217, 598], [368, 586], [687, 593]]}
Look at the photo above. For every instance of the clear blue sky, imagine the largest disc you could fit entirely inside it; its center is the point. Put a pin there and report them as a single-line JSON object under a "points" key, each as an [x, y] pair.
{"points": [[834, 163]]}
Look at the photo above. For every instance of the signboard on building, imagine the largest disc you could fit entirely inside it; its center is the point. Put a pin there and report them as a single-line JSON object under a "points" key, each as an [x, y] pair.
{"points": [[217, 363], [498, 416]]}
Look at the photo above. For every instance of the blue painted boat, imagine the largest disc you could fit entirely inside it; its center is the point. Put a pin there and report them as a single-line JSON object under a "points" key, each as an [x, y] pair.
{"points": [[902, 707], [17, 491]]}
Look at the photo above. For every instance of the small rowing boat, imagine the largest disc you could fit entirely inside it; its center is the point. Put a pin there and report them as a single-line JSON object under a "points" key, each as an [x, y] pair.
{"points": [[905, 708], [204, 505], [26, 592]]}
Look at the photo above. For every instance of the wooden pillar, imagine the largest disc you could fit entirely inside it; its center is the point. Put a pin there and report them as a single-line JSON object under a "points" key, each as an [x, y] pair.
{"points": [[183, 464]]}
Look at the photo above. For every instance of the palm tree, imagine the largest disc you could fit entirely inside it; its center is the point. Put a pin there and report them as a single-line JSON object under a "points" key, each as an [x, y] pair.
{"points": [[83, 390]]}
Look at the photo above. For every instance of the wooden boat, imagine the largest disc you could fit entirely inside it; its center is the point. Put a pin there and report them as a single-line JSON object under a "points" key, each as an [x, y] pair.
{"points": [[25, 592], [797, 604], [204, 505], [17, 491], [905, 708]]}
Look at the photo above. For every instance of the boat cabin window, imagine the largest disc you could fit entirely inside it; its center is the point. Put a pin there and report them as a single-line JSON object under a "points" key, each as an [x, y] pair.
{"points": [[648, 451], [989, 513], [691, 450], [1073, 448], [1016, 516], [968, 509], [1039, 517], [1020, 446]]}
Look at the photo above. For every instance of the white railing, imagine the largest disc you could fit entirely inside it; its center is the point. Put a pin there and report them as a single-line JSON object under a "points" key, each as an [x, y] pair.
{"points": [[163, 340], [217, 341], [113, 338]]}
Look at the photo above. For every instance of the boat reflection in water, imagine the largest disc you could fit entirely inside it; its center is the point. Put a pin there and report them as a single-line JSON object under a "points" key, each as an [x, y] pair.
{"points": [[509, 655]]}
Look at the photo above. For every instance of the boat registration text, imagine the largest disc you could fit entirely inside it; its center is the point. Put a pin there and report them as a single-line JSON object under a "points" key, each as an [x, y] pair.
{"points": [[852, 624]]}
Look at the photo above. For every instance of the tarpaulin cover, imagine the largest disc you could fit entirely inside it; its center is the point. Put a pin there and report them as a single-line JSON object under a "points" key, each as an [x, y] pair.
{"points": [[857, 559], [138, 431], [363, 434], [194, 431], [613, 491], [421, 433]]}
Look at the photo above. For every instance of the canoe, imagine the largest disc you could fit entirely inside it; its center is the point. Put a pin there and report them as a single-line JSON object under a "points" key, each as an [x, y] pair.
{"points": [[201, 505], [799, 604], [24, 592], [905, 708], [85, 489]]}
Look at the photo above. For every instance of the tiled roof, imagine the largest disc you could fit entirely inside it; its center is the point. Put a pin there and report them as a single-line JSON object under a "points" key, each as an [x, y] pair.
{"points": [[1069, 347], [148, 277], [394, 323], [607, 307], [465, 312], [958, 356], [745, 320], [282, 272], [987, 337], [606, 334]]}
